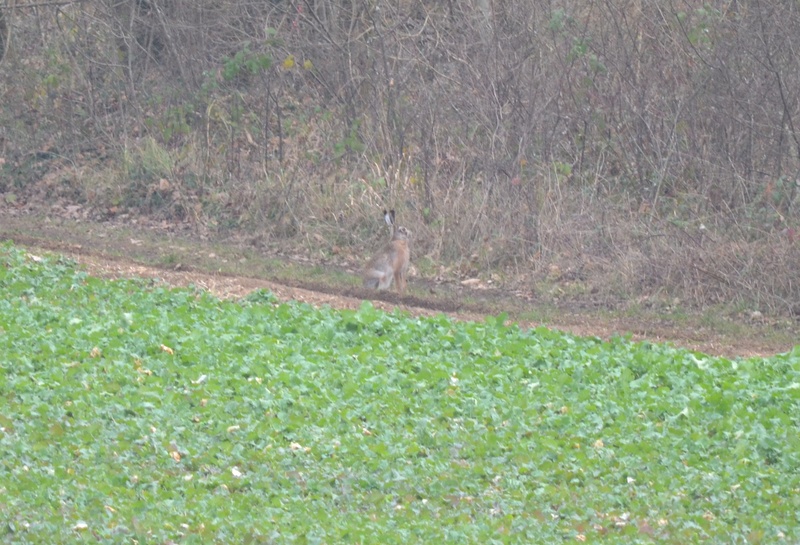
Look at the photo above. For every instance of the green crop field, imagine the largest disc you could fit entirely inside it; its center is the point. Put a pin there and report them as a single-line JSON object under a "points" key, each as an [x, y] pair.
{"points": [[135, 413]]}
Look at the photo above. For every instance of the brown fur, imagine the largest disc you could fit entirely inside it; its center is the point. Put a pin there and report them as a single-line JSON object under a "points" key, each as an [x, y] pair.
{"points": [[391, 263]]}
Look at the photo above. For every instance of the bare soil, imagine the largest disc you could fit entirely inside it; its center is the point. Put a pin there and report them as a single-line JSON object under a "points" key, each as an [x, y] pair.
{"points": [[232, 266]]}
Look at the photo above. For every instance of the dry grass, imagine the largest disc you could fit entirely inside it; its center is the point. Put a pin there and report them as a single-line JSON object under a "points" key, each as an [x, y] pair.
{"points": [[561, 164], [546, 229]]}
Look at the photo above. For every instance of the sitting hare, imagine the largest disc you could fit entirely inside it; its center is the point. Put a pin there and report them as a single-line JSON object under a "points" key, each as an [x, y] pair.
{"points": [[391, 263]]}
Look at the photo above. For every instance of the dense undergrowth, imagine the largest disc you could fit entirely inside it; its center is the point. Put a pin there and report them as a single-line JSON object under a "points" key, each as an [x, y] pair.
{"points": [[638, 150], [132, 411]]}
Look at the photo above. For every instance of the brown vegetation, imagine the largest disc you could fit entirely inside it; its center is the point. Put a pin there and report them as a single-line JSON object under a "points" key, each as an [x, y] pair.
{"points": [[636, 147]]}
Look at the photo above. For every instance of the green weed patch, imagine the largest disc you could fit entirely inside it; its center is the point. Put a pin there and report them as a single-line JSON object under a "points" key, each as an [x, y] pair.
{"points": [[130, 411]]}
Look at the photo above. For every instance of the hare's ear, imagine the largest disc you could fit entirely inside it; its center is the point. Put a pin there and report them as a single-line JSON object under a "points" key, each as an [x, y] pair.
{"points": [[388, 217], [392, 213]]}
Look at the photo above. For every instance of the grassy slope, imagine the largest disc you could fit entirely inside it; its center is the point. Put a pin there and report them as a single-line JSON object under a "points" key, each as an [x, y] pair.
{"points": [[130, 411]]}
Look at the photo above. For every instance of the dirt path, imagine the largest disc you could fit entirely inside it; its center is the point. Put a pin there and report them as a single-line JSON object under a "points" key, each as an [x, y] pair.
{"points": [[108, 254], [226, 286]]}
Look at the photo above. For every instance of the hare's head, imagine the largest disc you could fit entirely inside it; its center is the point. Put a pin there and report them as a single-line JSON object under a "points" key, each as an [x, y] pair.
{"points": [[401, 233], [398, 232]]}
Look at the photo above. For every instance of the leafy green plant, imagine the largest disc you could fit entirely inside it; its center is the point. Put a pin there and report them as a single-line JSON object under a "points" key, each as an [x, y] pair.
{"points": [[132, 411], [173, 122], [351, 143], [245, 62], [562, 170]]}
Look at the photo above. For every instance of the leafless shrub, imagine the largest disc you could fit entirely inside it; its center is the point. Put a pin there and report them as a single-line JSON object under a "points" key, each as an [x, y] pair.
{"points": [[512, 135]]}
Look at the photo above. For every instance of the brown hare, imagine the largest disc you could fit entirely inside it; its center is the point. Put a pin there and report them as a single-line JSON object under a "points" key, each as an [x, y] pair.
{"points": [[391, 263]]}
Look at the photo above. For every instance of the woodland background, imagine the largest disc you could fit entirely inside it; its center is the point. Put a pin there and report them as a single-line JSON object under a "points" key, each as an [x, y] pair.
{"points": [[621, 147]]}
